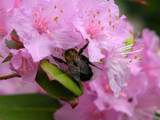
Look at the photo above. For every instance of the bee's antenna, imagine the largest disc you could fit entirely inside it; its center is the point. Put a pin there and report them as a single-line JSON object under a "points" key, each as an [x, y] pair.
{"points": [[94, 66], [58, 59]]}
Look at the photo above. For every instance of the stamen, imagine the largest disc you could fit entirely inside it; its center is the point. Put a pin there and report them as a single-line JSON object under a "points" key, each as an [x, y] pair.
{"points": [[99, 22], [35, 14], [116, 17], [35, 21], [128, 52], [61, 11], [55, 6], [92, 21], [94, 15], [56, 19], [109, 10], [102, 28]]}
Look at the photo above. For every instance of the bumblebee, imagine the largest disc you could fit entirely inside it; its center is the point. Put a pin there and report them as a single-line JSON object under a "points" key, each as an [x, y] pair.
{"points": [[78, 64]]}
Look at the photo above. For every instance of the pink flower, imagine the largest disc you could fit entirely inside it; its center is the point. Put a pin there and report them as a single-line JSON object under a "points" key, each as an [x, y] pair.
{"points": [[105, 99], [86, 110], [5, 13], [99, 22], [117, 65], [15, 85], [23, 64], [45, 25], [150, 62], [146, 101]]}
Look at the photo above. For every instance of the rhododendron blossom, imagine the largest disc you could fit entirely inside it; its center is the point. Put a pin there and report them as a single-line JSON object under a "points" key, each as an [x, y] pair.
{"points": [[45, 25], [99, 22], [23, 64], [34, 37], [6, 7]]}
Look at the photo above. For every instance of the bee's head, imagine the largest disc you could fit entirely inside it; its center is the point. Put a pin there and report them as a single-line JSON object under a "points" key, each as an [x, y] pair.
{"points": [[70, 54]]}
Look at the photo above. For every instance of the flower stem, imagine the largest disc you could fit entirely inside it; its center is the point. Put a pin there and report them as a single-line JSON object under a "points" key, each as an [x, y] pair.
{"points": [[5, 77]]}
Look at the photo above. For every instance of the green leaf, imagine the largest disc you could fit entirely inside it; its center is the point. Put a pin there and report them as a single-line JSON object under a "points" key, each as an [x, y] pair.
{"points": [[28, 107], [53, 88], [8, 58], [54, 73], [129, 41], [12, 44]]}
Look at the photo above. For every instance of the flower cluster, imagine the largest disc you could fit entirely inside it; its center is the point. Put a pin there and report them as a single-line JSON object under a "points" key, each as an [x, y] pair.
{"points": [[44, 26], [125, 87], [138, 101]]}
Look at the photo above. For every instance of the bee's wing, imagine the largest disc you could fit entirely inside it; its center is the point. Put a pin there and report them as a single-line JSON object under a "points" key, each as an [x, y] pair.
{"points": [[84, 67], [78, 67]]}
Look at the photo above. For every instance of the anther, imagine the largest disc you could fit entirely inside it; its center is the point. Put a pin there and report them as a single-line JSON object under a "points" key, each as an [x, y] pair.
{"points": [[99, 21], [94, 15], [140, 58], [92, 21], [102, 28], [98, 12], [135, 41], [110, 22], [116, 17], [135, 57], [61, 11], [35, 14], [109, 10], [56, 19], [55, 6]]}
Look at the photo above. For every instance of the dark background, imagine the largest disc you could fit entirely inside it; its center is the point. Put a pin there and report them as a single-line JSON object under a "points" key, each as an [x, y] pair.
{"points": [[142, 16]]}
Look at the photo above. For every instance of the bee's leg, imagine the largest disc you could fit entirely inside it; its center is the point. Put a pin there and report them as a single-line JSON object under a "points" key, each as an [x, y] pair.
{"points": [[87, 60], [81, 50], [59, 60]]}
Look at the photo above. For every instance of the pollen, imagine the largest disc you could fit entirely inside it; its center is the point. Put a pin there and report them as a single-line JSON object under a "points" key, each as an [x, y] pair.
{"points": [[61, 11], [110, 16], [116, 17], [140, 58], [98, 12], [56, 19], [35, 21], [143, 46], [135, 57], [110, 22], [92, 21], [94, 15], [109, 10], [42, 9], [113, 26], [55, 6], [99, 21], [102, 28], [135, 42], [35, 14]]}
